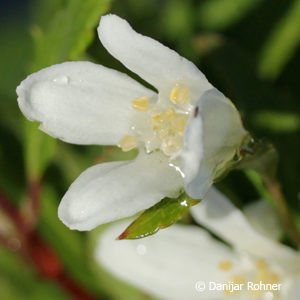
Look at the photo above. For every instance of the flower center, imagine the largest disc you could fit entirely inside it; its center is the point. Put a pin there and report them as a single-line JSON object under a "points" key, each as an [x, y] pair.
{"points": [[160, 125]]}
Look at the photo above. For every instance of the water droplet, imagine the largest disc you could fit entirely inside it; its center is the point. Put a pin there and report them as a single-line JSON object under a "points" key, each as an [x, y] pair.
{"points": [[63, 79], [183, 203], [141, 249]]}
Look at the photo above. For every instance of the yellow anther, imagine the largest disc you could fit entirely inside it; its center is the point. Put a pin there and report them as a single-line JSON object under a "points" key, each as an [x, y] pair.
{"points": [[180, 94], [273, 278], [234, 280], [238, 279], [261, 264], [156, 120], [179, 125], [127, 143], [169, 128], [141, 103], [225, 265], [170, 112], [163, 132], [267, 277]]}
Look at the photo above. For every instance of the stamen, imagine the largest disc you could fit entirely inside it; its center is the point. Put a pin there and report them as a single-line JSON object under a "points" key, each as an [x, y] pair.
{"points": [[180, 94], [179, 125], [169, 127], [127, 143], [170, 112], [261, 264], [225, 265], [156, 120], [267, 277], [235, 279], [141, 103]]}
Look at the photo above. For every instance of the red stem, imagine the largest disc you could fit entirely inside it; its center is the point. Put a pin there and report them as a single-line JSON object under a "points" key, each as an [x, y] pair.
{"points": [[13, 213], [3, 240], [73, 288], [43, 257], [34, 190]]}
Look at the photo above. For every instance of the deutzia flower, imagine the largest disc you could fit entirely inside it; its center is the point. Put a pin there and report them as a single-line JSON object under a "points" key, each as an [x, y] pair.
{"points": [[175, 264], [186, 132]]}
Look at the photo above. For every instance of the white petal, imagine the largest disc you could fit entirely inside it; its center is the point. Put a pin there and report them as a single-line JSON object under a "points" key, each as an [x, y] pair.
{"points": [[218, 214], [263, 217], [110, 191], [168, 264], [80, 102], [211, 139], [294, 292], [157, 64]]}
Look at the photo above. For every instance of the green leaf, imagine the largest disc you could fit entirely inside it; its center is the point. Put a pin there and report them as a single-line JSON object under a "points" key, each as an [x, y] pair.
{"points": [[15, 51], [177, 19], [280, 122], [281, 44], [220, 14], [44, 11], [159, 216], [69, 33], [257, 181], [39, 150], [19, 281], [69, 244]]}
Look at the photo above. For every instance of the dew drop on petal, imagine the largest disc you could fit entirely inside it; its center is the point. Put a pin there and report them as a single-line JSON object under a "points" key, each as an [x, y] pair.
{"points": [[141, 249], [63, 79]]}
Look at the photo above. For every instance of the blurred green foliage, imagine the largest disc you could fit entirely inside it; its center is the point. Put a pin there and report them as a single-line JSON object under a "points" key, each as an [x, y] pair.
{"points": [[248, 49]]}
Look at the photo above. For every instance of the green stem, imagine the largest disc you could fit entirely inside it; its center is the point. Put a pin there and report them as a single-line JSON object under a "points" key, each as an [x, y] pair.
{"points": [[269, 188]]}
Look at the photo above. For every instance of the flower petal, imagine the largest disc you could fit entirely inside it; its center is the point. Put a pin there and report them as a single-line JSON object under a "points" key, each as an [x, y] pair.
{"points": [[218, 214], [80, 102], [263, 217], [212, 136], [168, 264], [154, 62], [294, 291], [114, 190]]}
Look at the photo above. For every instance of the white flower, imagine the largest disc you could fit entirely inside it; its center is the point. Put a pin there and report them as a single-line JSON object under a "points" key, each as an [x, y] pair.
{"points": [[173, 263], [194, 127]]}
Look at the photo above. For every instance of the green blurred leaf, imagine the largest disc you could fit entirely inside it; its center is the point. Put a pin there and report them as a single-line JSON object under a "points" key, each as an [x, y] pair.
{"points": [[280, 122], [159, 216], [15, 52], [19, 281], [11, 120], [258, 183], [177, 19], [281, 44], [44, 11], [220, 14], [70, 245], [69, 33], [39, 150]]}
